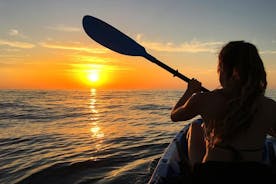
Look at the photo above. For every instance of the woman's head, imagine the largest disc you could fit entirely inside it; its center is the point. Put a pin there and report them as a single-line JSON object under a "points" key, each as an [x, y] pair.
{"points": [[240, 65]]}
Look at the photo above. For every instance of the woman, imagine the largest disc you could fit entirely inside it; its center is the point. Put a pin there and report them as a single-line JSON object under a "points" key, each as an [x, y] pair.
{"points": [[236, 117]]}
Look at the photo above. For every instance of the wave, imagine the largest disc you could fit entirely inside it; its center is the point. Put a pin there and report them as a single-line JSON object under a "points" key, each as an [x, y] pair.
{"points": [[91, 171], [13, 105], [40, 116], [150, 107], [68, 172]]}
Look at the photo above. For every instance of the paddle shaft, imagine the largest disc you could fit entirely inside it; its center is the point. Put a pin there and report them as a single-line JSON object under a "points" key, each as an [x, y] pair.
{"points": [[169, 69]]}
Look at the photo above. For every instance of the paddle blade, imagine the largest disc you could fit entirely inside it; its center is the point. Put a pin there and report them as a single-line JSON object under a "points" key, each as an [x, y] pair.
{"points": [[110, 37]]}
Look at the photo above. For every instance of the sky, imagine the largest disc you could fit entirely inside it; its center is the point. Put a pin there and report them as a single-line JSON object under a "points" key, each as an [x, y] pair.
{"points": [[43, 44]]}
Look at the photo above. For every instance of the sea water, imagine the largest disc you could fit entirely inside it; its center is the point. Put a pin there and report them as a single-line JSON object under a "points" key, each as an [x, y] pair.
{"points": [[93, 136]]}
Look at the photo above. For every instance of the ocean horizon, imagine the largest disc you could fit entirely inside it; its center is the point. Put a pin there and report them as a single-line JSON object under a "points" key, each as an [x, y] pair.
{"points": [[85, 136]]}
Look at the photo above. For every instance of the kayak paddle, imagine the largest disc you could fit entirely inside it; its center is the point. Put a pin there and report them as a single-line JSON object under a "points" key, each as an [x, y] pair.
{"points": [[115, 40]]}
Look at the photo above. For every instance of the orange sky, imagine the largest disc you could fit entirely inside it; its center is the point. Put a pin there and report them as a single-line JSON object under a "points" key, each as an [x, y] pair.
{"points": [[69, 68], [55, 67], [68, 65]]}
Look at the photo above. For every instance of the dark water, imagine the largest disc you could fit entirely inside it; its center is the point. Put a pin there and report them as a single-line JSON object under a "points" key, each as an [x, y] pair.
{"points": [[84, 137]]}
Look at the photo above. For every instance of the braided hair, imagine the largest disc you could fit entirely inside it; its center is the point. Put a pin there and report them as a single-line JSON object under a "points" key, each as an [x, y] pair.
{"points": [[245, 76]]}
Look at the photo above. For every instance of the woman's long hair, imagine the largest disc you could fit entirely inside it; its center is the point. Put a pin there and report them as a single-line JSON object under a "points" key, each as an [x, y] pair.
{"points": [[245, 75]]}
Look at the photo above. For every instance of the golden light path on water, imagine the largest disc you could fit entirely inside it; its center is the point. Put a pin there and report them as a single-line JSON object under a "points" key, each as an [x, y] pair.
{"points": [[95, 129]]}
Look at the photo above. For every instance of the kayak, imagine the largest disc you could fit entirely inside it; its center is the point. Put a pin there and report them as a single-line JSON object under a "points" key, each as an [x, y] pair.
{"points": [[173, 165]]}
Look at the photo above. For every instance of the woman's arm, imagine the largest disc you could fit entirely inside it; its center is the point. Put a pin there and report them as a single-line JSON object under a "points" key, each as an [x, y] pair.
{"points": [[186, 107]]}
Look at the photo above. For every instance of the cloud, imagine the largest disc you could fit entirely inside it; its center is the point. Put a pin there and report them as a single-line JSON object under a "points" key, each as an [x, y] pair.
{"points": [[64, 28], [193, 46], [74, 47], [15, 32], [268, 52], [10, 49], [17, 44]]}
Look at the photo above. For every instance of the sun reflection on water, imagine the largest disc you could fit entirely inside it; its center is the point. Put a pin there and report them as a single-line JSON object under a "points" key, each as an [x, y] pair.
{"points": [[95, 129], [93, 93]]}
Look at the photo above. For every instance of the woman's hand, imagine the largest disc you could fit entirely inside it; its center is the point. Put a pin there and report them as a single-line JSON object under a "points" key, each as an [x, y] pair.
{"points": [[194, 86]]}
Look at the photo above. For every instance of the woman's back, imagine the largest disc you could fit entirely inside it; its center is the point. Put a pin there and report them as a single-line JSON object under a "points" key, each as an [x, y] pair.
{"points": [[246, 144]]}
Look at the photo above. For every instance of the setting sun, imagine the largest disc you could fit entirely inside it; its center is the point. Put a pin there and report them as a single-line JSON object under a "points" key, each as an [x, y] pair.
{"points": [[93, 76]]}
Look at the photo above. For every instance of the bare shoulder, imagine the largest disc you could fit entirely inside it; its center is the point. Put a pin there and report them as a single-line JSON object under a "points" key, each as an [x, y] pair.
{"points": [[209, 100], [212, 96], [211, 105]]}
